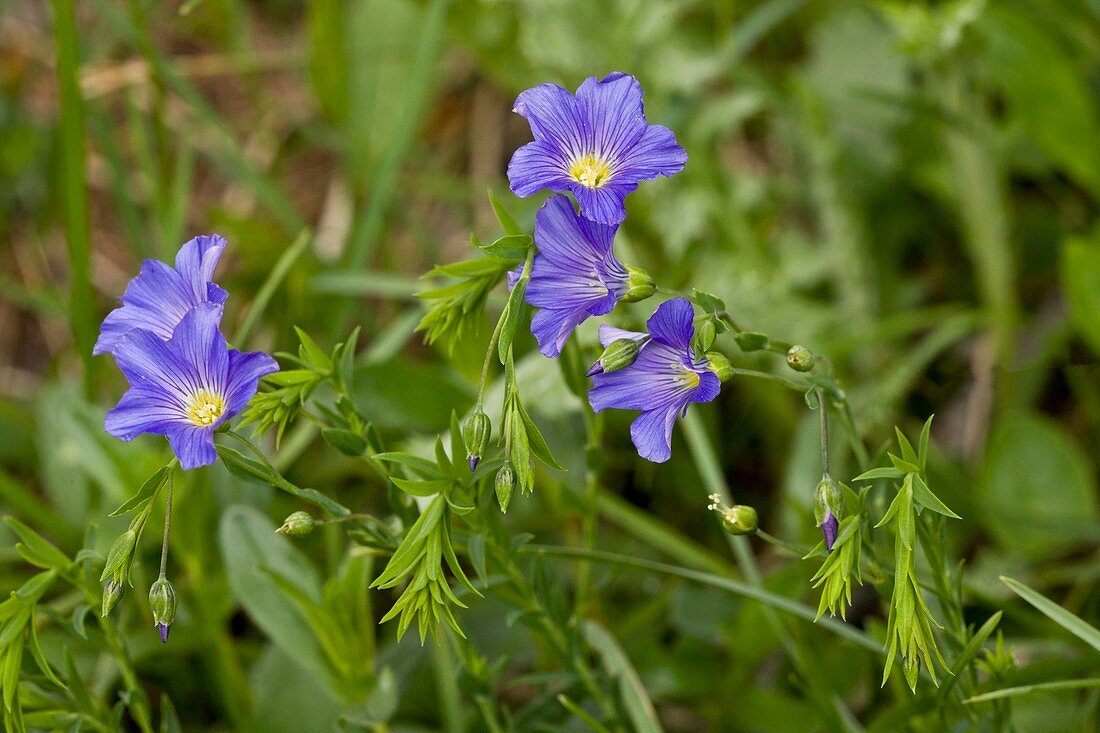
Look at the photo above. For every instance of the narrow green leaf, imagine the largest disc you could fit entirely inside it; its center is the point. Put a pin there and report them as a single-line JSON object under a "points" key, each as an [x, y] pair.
{"points": [[1068, 621], [312, 353], [507, 223], [510, 247], [877, 473], [39, 656], [907, 452], [924, 496], [422, 488], [537, 442], [146, 492], [632, 693], [421, 466], [511, 316], [973, 646], [922, 447], [45, 554], [345, 441]]}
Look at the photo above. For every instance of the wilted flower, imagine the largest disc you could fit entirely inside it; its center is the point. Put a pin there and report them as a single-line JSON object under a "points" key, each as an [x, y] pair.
{"points": [[574, 275], [159, 297], [186, 387], [595, 144], [662, 382]]}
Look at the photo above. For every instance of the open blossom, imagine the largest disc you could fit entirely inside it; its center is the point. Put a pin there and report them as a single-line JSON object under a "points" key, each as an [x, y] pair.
{"points": [[662, 382], [185, 387], [574, 275], [596, 145], [157, 299]]}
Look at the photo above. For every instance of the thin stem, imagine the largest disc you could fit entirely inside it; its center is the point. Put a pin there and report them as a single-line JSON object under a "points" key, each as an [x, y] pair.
{"points": [[488, 360], [167, 524], [822, 407], [274, 279]]}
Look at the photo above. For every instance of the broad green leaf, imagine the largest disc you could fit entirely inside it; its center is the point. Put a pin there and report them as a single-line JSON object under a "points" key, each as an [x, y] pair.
{"points": [[1037, 490], [1068, 621], [1080, 279]]}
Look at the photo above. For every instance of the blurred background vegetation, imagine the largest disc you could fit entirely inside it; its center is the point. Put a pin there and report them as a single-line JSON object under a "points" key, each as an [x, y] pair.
{"points": [[909, 188]]}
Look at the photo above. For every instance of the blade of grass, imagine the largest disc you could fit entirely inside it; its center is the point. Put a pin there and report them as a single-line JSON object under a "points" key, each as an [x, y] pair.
{"points": [[74, 192], [1031, 689], [1068, 621], [271, 284], [745, 590]]}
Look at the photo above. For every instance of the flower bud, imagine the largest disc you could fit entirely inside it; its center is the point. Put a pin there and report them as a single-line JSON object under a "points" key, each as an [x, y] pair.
{"points": [[297, 524], [475, 433], [162, 601], [739, 519], [705, 334], [720, 365], [828, 504], [505, 484], [112, 592], [800, 358], [639, 285], [619, 354]]}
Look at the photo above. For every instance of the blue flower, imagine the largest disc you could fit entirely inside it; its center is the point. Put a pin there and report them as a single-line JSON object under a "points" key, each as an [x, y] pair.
{"points": [[574, 275], [662, 382], [596, 145], [185, 387], [157, 299]]}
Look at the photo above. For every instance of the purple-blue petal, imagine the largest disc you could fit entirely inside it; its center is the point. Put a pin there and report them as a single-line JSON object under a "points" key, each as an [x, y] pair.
{"points": [[193, 445], [197, 260], [245, 372], [606, 204], [144, 410], [148, 362], [612, 108], [656, 153], [536, 166], [609, 334], [673, 323], [651, 433], [200, 344], [555, 116]]}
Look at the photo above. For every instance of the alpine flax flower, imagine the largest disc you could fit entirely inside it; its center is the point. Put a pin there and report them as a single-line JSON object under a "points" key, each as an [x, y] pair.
{"points": [[664, 380], [596, 145], [184, 388]]}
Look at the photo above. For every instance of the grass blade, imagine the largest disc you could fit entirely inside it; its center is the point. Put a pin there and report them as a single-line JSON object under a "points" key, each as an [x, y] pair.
{"points": [[1071, 623]]}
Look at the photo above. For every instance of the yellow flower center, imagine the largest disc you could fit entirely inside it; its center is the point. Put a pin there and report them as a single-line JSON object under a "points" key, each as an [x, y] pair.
{"points": [[204, 408], [590, 171], [688, 378]]}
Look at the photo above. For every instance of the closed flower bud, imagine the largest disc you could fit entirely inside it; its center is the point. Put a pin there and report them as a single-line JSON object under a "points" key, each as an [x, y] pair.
{"points": [[739, 519], [800, 358], [162, 601], [828, 504], [475, 433], [619, 354], [639, 285], [297, 524], [705, 334], [112, 592], [720, 365], [505, 484]]}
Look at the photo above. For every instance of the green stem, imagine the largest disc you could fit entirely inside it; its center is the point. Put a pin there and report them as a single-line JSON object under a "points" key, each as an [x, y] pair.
{"points": [[589, 518], [82, 309], [447, 688], [167, 524]]}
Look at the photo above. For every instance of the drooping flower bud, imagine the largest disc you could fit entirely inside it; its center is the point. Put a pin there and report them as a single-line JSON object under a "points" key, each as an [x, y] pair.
{"points": [[619, 354], [162, 601], [505, 484], [476, 433], [297, 524], [800, 358], [720, 365], [639, 285], [119, 554], [112, 592], [828, 504]]}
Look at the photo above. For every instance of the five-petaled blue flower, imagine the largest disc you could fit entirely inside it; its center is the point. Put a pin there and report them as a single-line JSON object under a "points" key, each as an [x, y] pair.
{"points": [[662, 382], [596, 145], [185, 387], [574, 275], [158, 298]]}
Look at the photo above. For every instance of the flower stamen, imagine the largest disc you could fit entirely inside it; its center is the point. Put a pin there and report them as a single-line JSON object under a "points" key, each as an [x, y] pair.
{"points": [[590, 171], [205, 408]]}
